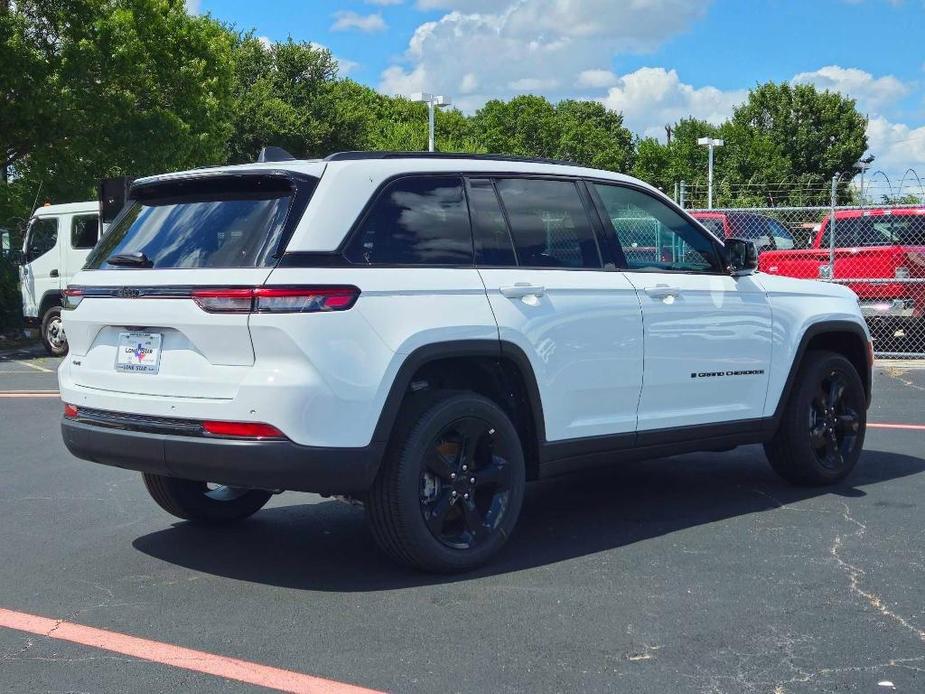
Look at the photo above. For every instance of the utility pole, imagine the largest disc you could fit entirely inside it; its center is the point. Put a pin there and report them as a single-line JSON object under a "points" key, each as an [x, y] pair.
{"points": [[711, 143], [433, 103]]}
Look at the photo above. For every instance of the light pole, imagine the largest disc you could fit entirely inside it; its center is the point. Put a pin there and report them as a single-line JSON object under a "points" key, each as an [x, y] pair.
{"points": [[711, 143], [433, 103], [862, 165]]}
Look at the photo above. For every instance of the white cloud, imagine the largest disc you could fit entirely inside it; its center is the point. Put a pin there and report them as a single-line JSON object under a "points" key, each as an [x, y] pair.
{"points": [[597, 79], [193, 6], [897, 147], [872, 93], [512, 44], [347, 19], [650, 97]]}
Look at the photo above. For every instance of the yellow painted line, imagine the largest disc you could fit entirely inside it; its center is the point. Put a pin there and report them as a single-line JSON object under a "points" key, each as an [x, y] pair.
{"points": [[34, 366]]}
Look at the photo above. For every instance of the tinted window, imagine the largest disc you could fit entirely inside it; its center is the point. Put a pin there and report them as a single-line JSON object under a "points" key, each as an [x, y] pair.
{"points": [[43, 235], [220, 222], [421, 220], [713, 224], [783, 240], [652, 235], [84, 231], [493, 245], [549, 224], [880, 230]]}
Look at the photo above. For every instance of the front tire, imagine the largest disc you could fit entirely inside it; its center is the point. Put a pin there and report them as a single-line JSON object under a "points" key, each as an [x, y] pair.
{"points": [[822, 430], [53, 338], [202, 502], [451, 486]]}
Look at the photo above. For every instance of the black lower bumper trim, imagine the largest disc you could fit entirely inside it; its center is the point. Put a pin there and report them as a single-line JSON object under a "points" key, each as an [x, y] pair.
{"points": [[255, 464]]}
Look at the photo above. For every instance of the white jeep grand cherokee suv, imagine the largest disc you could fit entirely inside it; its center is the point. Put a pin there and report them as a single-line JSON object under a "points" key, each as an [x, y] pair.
{"points": [[426, 333]]}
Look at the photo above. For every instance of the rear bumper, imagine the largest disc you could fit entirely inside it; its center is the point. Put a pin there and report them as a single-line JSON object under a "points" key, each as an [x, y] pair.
{"points": [[242, 463]]}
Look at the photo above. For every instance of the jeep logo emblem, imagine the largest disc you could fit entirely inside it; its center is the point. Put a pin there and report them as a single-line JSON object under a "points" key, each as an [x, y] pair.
{"points": [[129, 293]]}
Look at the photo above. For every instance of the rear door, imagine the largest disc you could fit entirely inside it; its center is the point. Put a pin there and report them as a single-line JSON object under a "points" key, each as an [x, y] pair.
{"points": [[40, 271], [707, 335], [578, 322], [174, 240]]}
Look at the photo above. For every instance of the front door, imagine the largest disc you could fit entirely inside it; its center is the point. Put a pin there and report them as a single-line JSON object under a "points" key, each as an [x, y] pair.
{"points": [[41, 260], [707, 334], [578, 323]]}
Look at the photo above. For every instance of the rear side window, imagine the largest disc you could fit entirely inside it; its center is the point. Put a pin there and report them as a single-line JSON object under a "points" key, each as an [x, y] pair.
{"points": [[493, 246], [549, 224], [224, 222], [85, 229], [419, 220], [43, 235]]}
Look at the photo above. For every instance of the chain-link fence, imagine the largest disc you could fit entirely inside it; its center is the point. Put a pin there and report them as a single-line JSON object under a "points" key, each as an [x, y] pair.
{"points": [[877, 250]]}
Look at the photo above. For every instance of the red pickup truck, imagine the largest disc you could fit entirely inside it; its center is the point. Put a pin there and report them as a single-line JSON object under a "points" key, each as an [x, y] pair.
{"points": [[875, 250]]}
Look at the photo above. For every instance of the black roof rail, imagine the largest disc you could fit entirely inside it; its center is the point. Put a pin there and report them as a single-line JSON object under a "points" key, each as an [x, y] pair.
{"points": [[359, 156]]}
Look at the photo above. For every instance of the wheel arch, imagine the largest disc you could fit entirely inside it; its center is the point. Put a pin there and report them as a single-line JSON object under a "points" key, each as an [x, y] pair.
{"points": [[844, 337], [53, 297], [497, 369]]}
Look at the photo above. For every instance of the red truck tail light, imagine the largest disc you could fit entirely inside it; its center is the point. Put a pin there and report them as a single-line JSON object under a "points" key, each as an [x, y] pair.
{"points": [[70, 411], [242, 430], [276, 299]]}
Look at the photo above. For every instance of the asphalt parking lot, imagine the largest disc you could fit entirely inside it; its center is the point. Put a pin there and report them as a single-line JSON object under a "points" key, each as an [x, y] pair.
{"points": [[701, 573]]}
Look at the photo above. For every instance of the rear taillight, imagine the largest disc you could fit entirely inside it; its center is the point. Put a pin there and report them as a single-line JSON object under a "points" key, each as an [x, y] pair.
{"points": [[70, 411], [242, 430], [72, 298], [276, 299]]}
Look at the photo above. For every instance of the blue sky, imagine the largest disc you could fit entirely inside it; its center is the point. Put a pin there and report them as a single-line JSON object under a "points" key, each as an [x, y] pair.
{"points": [[653, 60]]}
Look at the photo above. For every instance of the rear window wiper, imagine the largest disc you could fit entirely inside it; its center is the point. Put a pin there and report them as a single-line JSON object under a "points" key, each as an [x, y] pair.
{"points": [[136, 259]]}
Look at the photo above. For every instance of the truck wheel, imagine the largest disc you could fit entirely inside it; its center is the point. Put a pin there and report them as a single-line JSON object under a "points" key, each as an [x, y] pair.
{"points": [[53, 338], [451, 486], [822, 430], [204, 502]]}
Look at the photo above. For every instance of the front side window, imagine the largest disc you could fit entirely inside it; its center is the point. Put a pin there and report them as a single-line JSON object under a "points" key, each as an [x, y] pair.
{"points": [[43, 235], [420, 220], [210, 223], [653, 236], [85, 229], [549, 224]]}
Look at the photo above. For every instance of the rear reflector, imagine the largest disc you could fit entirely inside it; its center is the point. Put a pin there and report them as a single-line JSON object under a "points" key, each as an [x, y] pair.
{"points": [[72, 297], [276, 299], [70, 411], [244, 430]]}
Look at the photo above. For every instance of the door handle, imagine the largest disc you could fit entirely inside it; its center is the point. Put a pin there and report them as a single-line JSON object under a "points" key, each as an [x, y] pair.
{"points": [[660, 291], [53, 273], [522, 289]]}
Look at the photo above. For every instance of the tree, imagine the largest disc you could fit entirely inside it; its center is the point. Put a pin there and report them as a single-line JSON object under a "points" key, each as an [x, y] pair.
{"points": [[581, 131], [278, 93]]}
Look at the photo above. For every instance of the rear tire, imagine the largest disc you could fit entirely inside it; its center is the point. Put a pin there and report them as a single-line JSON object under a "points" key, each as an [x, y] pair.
{"points": [[53, 338], [822, 430], [197, 501], [451, 486]]}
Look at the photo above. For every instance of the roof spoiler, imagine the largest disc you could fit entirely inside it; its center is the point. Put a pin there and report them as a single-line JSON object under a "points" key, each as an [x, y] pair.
{"points": [[274, 154]]}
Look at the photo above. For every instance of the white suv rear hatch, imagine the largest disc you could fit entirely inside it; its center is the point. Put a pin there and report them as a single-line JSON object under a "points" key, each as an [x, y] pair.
{"points": [[135, 323]]}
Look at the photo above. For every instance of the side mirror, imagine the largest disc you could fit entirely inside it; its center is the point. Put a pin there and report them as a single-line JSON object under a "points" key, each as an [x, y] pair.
{"points": [[741, 255]]}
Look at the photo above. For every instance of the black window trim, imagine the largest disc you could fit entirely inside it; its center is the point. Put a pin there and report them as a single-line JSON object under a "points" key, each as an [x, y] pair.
{"points": [[612, 257], [467, 182], [698, 228], [74, 218]]}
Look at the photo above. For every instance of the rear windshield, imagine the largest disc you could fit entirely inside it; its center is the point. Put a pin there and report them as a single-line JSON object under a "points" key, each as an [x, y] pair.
{"points": [[225, 222], [881, 230]]}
